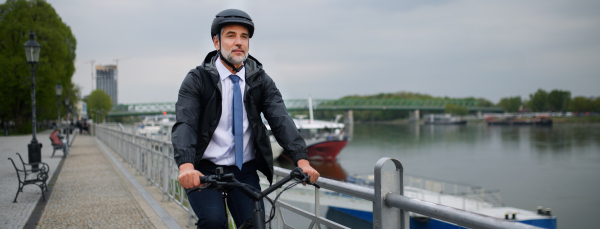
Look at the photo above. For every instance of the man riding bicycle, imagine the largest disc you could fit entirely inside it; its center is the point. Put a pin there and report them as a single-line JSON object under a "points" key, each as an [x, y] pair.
{"points": [[219, 123]]}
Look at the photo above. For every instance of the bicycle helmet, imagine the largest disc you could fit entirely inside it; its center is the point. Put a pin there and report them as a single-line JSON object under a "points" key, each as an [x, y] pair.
{"points": [[231, 16]]}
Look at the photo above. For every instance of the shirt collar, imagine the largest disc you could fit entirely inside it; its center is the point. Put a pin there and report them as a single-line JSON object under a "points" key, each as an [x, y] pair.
{"points": [[224, 73]]}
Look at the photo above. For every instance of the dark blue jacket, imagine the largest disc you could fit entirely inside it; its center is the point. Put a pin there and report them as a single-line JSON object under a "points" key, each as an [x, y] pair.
{"points": [[198, 119]]}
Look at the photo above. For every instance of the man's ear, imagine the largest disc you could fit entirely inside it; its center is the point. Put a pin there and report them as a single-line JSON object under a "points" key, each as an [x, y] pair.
{"points": [[216, 43]]}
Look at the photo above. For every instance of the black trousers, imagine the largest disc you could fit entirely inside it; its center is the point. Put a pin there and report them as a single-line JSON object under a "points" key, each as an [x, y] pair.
{"points": [[208, 203]]}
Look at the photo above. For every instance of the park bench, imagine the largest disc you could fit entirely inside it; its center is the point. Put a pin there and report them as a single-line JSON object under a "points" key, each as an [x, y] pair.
{"points": [[36, 176]]}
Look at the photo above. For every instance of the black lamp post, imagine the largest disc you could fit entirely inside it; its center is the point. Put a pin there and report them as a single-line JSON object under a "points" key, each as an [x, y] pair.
{"points": [[67, 108], [32, 52], [58, 89]]}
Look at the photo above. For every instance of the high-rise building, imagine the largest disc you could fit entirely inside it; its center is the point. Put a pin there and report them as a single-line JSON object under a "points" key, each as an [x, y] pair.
{"points": [[106, 80]]}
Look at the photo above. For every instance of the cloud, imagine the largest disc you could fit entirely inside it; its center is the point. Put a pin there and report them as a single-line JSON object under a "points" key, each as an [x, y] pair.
{"points": [[329, 49]]}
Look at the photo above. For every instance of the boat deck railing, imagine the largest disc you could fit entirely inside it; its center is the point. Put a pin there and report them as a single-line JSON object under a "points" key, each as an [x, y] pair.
{"points": [[439, 187], [154, 160]]}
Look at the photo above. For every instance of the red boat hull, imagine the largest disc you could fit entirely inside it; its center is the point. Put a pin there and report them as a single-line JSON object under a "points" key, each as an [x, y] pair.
{"points": [[326, 151]]}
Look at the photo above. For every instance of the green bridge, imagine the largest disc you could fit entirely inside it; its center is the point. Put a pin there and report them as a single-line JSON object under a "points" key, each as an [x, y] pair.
{"points": [[322, 104]]}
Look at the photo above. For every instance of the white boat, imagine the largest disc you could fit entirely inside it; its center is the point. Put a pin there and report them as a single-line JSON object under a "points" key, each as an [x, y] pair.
{"points": [[324, 139], [470, 198], [443, 119], [157, 127]]}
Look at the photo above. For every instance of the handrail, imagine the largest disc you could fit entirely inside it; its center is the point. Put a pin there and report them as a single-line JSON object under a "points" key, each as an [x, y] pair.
{"points": [[154, 159], [336, 186], [449, 214]]}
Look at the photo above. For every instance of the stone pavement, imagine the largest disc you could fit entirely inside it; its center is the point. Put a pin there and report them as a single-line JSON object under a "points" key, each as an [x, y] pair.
{"points": [[15, 215], [90, 194]]}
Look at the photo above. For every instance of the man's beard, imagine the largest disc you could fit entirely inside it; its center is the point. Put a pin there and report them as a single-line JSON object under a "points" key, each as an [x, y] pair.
{"points": [[235, 59]]}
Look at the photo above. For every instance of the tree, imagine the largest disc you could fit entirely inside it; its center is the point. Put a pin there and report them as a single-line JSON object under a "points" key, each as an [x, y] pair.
{"points": [[17, 18], [510, 104], [596, 104], [559, 100], [481, 102], [98, 101], [456, 110], [581, 104], [539, 100]]}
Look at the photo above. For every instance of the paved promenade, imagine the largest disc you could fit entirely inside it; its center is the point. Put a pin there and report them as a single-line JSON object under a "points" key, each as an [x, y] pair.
{"points": [[15, 215], [89, 194], [92, 190]]}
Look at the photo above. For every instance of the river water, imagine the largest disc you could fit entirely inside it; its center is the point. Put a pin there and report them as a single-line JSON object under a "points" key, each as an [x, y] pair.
{"points": [[555, 167]]}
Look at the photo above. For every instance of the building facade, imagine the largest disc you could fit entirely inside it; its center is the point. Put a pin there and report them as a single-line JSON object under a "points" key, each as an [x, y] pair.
{"points": [[106, 80], [81, 110]]}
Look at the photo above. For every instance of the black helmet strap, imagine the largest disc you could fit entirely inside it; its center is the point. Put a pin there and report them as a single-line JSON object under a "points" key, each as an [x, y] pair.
{"points": [[236, 70]]}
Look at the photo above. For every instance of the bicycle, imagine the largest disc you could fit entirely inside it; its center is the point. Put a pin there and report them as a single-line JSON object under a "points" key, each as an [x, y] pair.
{"points": [[220, 181]]}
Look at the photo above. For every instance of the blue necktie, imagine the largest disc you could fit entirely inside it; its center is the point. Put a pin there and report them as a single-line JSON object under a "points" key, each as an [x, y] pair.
{"points": [[238, 122]]}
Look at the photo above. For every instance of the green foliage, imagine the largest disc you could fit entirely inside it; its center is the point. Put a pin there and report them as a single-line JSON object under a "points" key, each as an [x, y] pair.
{"points": [[538, 101], [581, 104], [456, 110], [559, 100], [577, 120], [510, 104], [481, 102], [17, 18], [98, 101], [388, 115], [397, 95], [126, 119]]}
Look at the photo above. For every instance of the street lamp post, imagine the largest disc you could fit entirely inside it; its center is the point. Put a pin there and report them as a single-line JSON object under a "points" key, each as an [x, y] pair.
{"points": [[58, 89], [67, 108], [32, 52]]}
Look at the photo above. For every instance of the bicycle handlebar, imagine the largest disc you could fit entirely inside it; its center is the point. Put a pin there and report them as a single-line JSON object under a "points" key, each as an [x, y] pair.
{"points": [[219, 180]]}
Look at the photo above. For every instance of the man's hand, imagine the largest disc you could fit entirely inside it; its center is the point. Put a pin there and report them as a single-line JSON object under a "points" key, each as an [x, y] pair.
{"points": [[188, 176], [306, 168]]}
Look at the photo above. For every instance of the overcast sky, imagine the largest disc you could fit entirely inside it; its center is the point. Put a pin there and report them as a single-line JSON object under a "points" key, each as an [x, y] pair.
{"points": [[329, 49]]}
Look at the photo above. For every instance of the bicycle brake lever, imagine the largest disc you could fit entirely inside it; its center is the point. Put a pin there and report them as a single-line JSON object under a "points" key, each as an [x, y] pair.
{"points": [[307, 180], [208, 185]]}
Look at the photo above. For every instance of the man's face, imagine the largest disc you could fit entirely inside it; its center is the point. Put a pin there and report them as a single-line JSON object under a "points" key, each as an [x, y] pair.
{"points": [[234, 43]]}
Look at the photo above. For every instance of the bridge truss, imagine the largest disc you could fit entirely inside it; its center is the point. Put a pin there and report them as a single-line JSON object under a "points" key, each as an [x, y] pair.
{"points": [[320, 104]]}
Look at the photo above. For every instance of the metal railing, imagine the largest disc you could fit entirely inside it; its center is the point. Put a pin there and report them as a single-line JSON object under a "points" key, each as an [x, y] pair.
{"points": [[154, 160]]}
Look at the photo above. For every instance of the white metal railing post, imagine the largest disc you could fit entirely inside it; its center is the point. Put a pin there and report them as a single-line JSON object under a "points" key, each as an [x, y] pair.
{"points": [[165, 176], [191, 216], [131, 148], [386, 183], [136, 160], [278, 211], [317, 205], [150, 168]]}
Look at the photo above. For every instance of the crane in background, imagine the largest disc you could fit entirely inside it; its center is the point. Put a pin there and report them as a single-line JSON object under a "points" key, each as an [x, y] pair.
{"points": [[92, 68], [117, 73], [117, 64]]}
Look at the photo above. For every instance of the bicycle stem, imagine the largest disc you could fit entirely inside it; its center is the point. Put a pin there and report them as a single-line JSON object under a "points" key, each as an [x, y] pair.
{"points": [[258, 215]]}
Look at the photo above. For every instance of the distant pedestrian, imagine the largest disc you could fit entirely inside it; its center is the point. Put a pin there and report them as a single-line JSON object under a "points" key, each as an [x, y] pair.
{"points": [[78, 125], [84, 127]]}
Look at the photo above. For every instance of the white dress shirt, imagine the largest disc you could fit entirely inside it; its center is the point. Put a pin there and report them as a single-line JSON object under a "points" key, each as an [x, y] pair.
{"points": [[220, 150]]}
